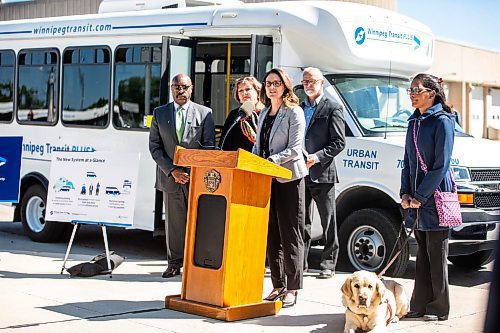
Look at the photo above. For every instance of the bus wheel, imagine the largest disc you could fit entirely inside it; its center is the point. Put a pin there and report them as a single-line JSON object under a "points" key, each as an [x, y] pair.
{"points": [[474, 260], [33, 216], [367, 239]]}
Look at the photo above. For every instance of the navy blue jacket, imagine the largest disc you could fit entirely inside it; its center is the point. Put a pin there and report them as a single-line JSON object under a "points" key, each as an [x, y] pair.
{"points": [[435, 130]]}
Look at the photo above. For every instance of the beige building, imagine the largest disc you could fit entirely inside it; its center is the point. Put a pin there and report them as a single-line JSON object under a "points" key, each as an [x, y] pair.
{"points": [[472, 75]]}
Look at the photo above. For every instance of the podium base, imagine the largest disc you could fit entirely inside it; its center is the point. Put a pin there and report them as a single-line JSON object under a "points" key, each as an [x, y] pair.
{"points": [[232, 313]]}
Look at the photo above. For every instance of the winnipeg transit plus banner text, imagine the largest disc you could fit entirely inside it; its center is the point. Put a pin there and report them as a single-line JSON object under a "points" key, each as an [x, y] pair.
{"points": [[10, 167], [95, 187]]}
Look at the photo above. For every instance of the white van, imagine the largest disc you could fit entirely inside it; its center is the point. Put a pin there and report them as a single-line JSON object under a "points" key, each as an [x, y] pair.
{"points": [[102, 75]]}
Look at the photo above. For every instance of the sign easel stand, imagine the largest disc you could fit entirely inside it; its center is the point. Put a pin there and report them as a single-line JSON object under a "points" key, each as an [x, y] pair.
{"points": [[106, 248]]}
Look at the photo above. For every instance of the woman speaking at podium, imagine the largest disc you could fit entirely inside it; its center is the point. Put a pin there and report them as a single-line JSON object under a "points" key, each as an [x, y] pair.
{"points": [[279, 138], [246, 91]]}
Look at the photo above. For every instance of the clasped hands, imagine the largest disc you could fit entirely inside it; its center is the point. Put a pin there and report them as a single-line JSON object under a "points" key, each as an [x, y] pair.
{"points": [[180, 176], [408, 202]]}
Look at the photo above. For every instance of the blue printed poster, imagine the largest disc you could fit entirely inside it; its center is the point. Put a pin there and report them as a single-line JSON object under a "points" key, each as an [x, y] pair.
{"points": [[93, 188], [10, 167]]}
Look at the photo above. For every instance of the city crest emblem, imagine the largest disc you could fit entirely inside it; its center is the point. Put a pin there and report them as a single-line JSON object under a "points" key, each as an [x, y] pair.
{"points": [[212, 180]]}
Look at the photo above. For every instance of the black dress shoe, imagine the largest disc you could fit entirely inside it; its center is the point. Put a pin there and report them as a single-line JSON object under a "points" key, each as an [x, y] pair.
{"points": [[429, 317], [273, 297], [414, 314], [171, 272], [326, 274]]}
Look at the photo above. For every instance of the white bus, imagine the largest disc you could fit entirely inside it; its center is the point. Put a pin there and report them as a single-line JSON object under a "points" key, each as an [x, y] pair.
{"points": [[89, 83]]}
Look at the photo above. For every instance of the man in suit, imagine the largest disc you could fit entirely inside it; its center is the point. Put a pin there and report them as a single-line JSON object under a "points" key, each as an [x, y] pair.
{"points": [[324, 139], [189, 125]]}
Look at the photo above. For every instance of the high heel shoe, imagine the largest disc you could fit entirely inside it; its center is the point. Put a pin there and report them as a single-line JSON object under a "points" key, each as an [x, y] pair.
{"points": [[289, 304], [273, 297]]}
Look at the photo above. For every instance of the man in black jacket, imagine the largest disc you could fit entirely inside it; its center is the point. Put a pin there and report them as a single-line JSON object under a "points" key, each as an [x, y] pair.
{"points": [[324, 139]]}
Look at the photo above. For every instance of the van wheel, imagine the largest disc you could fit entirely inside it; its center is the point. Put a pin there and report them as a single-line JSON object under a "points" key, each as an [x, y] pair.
{"points": [[474, 260], [367, 239], [33, 216]]}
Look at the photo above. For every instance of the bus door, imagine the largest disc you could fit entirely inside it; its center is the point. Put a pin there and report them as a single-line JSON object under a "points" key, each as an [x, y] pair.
{"points": [[261, 60], [177, 56], [219, 62]]}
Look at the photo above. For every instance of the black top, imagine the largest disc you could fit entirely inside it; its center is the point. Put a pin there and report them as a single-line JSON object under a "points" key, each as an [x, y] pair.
{"points": [[235, 138], [265, 135]]}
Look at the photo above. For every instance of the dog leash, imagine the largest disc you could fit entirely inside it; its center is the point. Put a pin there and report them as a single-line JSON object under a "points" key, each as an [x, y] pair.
{"points": [[402, 246]]}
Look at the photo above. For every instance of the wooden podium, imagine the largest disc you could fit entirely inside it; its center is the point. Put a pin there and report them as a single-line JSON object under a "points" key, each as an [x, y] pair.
{"points": [[226, 234]]}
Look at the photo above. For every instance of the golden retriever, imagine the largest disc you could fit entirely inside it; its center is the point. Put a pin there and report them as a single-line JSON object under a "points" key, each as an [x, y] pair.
{"points": [[372, 303]]}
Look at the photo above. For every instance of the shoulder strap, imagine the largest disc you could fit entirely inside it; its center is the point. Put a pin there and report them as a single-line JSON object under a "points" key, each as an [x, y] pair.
{"points": [[422, 163], [420, 159]]}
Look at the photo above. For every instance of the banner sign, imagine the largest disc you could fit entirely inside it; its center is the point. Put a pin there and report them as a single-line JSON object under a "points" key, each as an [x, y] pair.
{"points": [[93, 188], [10, 167]]}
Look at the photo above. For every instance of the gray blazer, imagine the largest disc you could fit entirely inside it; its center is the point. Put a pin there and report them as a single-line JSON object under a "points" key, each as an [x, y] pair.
{"points": [[285, 142], [199, 132]]}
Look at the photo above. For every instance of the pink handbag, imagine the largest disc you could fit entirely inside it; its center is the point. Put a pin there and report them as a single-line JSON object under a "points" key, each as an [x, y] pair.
{"points": [[447, 204]]}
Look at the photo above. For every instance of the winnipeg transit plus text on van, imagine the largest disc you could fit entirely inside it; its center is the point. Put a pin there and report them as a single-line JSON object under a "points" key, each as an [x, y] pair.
{"points": [[98, 89]]}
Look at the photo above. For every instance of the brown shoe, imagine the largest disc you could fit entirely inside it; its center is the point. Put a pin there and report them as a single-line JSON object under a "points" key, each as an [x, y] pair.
{"points": [[171, 272]]}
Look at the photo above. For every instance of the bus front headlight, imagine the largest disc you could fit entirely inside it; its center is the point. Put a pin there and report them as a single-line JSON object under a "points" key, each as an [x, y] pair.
{"points": [[461, 174]]}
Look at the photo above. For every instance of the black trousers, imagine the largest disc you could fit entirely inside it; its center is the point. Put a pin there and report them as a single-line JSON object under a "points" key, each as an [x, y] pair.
{"points": [[285, 246], [431, 291], [176, 204], [323, 195]]}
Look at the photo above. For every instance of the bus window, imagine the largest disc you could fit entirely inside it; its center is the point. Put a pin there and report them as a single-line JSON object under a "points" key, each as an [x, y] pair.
{"points": [[85, 86], [6, 85], [137, 85], [37, 87]]}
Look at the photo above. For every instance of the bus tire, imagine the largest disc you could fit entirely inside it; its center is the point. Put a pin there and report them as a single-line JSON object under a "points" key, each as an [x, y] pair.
{"points": [[367, 239], [33, 206], [474, 260]]}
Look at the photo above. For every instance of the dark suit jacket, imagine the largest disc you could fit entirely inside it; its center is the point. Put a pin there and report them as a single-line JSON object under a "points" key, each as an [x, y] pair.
{"points": [[199, 132], [325, 137]]}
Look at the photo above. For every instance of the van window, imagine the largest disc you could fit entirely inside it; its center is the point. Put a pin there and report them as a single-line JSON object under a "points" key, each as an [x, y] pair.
{"points": [[38, 87], [6, 85], [379, 104], [136, 86], [85, 92]]}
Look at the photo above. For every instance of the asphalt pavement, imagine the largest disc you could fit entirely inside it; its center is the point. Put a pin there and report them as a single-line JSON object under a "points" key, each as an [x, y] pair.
{"points": [[35, 297]]}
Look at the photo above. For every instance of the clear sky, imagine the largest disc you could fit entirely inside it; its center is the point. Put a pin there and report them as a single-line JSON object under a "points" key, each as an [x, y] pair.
{"points": [[473, 22]]}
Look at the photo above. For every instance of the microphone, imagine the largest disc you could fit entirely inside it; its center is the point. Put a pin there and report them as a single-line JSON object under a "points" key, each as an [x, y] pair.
{"points": [[245, 110]]}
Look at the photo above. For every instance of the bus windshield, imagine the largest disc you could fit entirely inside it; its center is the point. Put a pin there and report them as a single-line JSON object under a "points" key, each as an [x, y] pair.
{"points": [[379, 104]]}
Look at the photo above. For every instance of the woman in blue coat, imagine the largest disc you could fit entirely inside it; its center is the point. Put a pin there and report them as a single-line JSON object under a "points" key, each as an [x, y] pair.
{"points": [[434, 125]]}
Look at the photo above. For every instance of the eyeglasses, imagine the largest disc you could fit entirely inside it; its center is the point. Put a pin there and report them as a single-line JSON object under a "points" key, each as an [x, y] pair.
{"points": [[179, 87], [308, 82], [276, 83], [416, 90]]}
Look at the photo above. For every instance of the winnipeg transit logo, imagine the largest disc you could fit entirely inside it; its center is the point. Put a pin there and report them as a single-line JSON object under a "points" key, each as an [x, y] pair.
{"points": [[360, 35], [2, 161]]}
